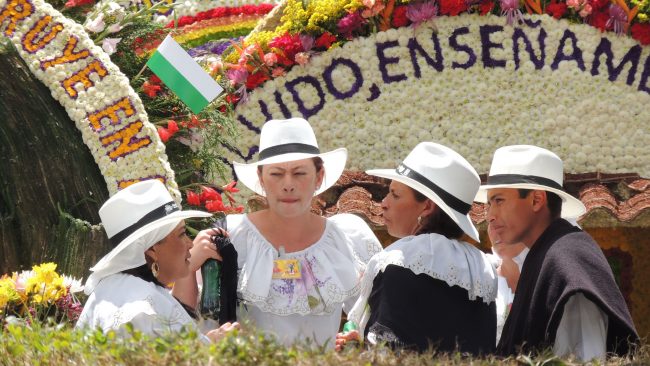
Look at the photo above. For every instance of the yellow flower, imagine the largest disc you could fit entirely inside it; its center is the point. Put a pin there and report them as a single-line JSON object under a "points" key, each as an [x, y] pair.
{"points": [[46, 285], [7, 291]]}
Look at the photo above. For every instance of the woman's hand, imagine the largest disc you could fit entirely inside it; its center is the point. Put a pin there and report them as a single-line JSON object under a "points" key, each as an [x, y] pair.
{"points": [[216, 334], [343, 338], [204, 248]]}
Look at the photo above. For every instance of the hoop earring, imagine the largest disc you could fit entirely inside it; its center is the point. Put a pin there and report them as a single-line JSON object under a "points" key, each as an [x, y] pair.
{"points": [[420, 220], [155, 269]]}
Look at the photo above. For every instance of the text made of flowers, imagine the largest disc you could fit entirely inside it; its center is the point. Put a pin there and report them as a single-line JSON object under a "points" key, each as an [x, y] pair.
{"points": [[95, 94], [474, 85]]}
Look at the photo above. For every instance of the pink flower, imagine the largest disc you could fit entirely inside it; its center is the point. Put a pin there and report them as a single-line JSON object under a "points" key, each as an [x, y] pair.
{"points": [[237, 76], [573, 4], [109, 45], [617, 19], [510, 8], [302, 58], [270, 59], [350, 23], [585, 11], [373, 7], [96, 25], [278, 71], [421, 12]]}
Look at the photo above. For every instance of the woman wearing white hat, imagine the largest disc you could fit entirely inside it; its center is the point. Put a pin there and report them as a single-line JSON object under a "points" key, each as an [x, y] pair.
{"points": [[430, 288], [152, 250], [297, 269]]}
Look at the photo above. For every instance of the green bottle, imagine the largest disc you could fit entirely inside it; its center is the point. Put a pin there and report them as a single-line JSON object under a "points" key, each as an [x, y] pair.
{"points": [[211, 292]]}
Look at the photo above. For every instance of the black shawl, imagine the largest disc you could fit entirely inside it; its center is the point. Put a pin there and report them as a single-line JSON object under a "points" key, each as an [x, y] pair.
{"points": [[562, 262]]}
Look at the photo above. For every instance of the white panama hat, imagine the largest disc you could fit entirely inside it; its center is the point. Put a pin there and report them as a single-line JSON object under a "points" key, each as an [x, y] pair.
{"points": [[443, 176], [127, 216], [530, 167], [290, 140]]}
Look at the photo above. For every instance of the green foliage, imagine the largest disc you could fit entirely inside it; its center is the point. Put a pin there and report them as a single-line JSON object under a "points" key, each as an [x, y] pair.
{"points": [[56, 345]]}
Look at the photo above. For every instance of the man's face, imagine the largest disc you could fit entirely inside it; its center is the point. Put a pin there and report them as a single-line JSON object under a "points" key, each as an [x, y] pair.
{"points": [[510, 217]]}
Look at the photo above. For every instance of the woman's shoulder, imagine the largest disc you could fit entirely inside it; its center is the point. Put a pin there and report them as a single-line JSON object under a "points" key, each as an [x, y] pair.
{"points": [[357, 235]]}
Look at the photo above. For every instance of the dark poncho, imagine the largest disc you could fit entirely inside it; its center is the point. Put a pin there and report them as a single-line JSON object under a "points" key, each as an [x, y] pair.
{"points": [[562, 262], [412, 311]]}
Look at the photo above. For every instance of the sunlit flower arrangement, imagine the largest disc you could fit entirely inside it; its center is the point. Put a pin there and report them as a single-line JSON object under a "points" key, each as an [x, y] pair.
{"points": [[309, 27], [473, 85], [39, 295], [95, 93]]}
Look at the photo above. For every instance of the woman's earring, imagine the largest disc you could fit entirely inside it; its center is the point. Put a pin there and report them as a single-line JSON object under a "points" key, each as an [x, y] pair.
{"points": [[420, 220], [155, 268]]}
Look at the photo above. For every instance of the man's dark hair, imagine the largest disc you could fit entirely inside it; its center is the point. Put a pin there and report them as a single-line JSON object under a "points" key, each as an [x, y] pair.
{"points": [[438, 222], [553, 201]]}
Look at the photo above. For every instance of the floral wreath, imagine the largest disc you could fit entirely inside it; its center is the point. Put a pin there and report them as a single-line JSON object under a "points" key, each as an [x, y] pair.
{"points": [[482, 76], [94, 92]]}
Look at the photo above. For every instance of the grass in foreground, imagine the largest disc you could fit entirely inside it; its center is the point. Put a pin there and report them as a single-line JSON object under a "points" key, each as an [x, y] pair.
{"points": [[21, 345]]}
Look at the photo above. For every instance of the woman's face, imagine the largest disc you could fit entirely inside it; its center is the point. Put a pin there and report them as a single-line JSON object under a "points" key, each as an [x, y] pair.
{"points": [[401, 210], [290, 186], [172, 255]]}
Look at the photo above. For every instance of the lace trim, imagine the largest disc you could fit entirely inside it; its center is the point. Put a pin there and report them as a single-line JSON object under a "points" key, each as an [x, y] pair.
{"points": [[474, 289]]}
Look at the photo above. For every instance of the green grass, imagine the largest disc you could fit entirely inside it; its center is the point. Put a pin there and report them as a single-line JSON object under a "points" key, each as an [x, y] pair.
{"points": [[21, 345]]}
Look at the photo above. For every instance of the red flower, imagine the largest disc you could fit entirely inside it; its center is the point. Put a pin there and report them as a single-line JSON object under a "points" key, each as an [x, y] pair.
{"points": [[399, 17], [232, 98], [154, 79], [599, 4], [350, 23], [485, 6], [556, 9], [641, 32], [193, 198], [452, 7], [230, 187], [164, 134], [325, 40], [599, 19], [214, 206], [185, 20], [209, 194], [74, 3], [289, 44], [151, 89], [172, 126], [256, 79]]}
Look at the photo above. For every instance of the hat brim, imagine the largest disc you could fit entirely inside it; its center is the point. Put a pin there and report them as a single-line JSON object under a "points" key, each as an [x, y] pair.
{"points": [[571, 206], [462, 220], [333, 162], [175, 216]]}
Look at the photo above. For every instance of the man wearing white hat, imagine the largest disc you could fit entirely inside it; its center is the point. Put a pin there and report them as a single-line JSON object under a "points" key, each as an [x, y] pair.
{"points": [[567, 297]]}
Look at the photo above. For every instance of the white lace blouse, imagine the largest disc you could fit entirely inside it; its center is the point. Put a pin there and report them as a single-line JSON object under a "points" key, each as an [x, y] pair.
{"points": [[121, 298], [455, 262], [307, 309]]}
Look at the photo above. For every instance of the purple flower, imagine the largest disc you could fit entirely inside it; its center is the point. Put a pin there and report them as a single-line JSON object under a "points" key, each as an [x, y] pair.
{"points": [[237, 76], [510, 8], [421, 12], [350, 23], [307, 42], [617, 19]]}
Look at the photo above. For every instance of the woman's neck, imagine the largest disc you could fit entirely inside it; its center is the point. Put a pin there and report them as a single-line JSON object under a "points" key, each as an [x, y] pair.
{"points": [[292, 233]]}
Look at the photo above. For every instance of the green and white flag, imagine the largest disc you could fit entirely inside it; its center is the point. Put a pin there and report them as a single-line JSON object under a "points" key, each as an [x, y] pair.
{"points": [[183, 75]]}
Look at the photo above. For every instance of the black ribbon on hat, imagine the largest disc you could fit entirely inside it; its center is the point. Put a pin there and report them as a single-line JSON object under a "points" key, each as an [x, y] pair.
{"points": [[157, 213], [451, 200], [287, 149], [520, 178]]}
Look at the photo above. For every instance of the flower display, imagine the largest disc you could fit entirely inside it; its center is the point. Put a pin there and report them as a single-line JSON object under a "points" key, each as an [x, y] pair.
{"points": [[95, 93], [39, 294], [475, 85]]}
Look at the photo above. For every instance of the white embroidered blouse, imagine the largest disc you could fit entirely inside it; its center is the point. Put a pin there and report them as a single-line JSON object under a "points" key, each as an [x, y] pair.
{"points": [[308, 308], [121, 298]]}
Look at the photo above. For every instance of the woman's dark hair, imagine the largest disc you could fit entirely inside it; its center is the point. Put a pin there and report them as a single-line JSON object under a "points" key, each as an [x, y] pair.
{"points": [[144, 272], [438, 222], [318, 163]]}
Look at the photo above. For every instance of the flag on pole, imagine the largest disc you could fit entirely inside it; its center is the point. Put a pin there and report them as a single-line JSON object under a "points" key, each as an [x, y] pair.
{"points": [[183, 75]]}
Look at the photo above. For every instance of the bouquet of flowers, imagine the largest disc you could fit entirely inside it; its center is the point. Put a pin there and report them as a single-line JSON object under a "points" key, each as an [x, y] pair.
{"points": [[39, 295]]}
